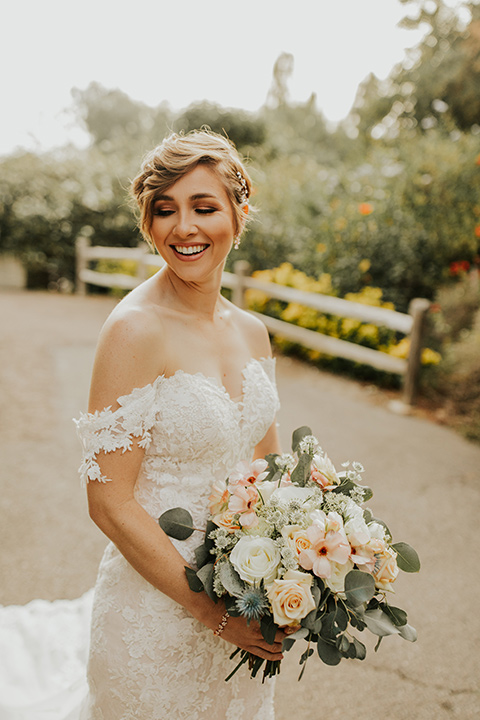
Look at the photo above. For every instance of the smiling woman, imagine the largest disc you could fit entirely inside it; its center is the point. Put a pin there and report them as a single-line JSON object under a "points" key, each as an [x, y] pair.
{"points": [[173, 358]]}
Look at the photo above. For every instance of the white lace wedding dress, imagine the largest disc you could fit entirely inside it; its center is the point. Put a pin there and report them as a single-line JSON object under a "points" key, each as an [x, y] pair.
{"points": [[149, 659]]}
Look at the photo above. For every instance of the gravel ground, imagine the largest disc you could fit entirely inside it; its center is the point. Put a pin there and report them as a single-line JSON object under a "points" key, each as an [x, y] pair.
{"points": [[426, 481]]}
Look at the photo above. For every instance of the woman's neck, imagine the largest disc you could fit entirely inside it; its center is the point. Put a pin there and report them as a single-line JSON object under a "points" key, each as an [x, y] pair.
{"points": [[198, 298]]}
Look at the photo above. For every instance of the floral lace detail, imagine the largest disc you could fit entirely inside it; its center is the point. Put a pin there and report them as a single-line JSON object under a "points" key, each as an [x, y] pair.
{"points": [[149, 657], [109, 430]]}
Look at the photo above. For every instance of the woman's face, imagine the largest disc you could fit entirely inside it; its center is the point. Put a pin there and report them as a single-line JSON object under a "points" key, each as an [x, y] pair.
{"points": [[193, 223]]}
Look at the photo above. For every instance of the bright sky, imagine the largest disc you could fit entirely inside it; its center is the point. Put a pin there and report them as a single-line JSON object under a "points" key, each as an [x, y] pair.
{"points": [[181, 51]]}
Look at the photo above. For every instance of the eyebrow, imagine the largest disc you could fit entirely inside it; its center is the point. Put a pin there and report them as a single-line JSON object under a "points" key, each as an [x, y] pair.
{"points": [[197, 196]]}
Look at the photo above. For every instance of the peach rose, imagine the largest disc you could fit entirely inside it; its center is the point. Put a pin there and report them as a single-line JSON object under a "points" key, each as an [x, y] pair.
{"points": [[296, 538], [386, 569], [226, 520], [291, 598]]}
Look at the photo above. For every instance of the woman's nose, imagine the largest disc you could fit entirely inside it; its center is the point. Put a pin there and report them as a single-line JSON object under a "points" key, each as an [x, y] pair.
{"points": [[185, 226]]}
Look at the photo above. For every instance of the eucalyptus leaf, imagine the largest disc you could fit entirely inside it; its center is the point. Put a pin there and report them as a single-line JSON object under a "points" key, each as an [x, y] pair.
{"points": [[177, 523], [287, 644], [408, 633], [407, 558], [205, 574], [328, 652], [343, 644], [269, 629], [359, 587], [309, 620], [300, 634], [231, 606], [301, 472], [304, 657], [230, 579], [208, 542], [202, 555], [298, 435], [316, 593], [334, 623], [194, 582], [360, 649], [379, 623], [367, 515], [396, 615]]}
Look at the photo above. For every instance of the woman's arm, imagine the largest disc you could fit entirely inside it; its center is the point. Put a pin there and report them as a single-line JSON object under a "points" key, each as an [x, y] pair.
{"points": [[128, 357]]}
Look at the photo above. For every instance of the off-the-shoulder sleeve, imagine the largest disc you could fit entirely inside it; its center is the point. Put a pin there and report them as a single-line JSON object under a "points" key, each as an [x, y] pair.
{"points": [[109, 430]]}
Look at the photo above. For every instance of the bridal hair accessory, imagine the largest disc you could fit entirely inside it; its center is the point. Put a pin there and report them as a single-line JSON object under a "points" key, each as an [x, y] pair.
{"points": [[222, 624], [243, 183]]}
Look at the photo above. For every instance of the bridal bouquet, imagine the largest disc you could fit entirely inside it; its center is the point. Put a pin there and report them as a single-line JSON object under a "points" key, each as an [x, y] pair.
{"points": [[289, 543]]}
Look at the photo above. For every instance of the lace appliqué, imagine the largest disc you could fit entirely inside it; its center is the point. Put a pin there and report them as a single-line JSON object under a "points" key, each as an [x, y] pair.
{"points": [[108, 430]]}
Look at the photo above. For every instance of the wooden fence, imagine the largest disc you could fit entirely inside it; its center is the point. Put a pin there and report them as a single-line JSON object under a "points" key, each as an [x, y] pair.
{"points": [[411, 324]]}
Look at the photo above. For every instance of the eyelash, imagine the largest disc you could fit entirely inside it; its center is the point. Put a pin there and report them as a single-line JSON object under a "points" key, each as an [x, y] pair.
{"points": [[200, 211]]}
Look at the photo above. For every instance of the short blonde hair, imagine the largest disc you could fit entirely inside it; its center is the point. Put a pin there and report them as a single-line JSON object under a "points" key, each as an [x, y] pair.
{"points": [[176, 156]]}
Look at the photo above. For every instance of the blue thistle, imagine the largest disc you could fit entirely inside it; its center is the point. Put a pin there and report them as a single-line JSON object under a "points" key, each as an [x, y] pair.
{"points": [[252, 604]]}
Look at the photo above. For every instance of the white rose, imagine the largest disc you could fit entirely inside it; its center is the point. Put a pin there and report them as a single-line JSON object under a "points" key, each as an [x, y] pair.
{"points": [[293, 492], [255, 559], [336, 581], [291, 598]]}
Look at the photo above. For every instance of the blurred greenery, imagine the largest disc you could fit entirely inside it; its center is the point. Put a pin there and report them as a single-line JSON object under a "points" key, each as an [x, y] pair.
{"points": [[388, 199]]}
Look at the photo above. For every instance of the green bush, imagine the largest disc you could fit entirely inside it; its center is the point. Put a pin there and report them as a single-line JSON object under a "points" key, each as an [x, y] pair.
{"points": [[454, 384]]}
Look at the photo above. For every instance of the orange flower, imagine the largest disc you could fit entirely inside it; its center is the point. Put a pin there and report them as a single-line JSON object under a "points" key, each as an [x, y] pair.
{"points": [[365, 208], [477, 231], [477, 160]]}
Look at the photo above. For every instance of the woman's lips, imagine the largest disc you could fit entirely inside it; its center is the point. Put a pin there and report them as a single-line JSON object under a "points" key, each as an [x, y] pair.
{"points": [[189, 252]]}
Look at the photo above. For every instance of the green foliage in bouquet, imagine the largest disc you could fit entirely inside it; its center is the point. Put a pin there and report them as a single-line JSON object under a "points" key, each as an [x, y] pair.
{"points": [[323, 564]]}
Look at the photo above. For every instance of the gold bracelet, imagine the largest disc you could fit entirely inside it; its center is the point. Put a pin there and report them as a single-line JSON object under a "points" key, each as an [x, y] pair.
{"points": [[222, 624]]}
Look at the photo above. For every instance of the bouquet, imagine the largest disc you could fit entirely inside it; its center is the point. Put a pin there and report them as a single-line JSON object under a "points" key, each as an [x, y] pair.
{"points": [[290, 544]]}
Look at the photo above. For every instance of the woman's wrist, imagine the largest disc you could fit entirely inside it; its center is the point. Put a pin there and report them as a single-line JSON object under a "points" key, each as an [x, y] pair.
{"points": [[222, 624]]}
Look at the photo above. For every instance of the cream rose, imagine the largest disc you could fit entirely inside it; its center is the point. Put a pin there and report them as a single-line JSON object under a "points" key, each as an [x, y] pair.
{"points": [[291, 598], [255, 559]]}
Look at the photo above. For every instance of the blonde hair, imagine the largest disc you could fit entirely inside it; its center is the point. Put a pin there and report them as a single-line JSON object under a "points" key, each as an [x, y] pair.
{"points": [[176, 156]]}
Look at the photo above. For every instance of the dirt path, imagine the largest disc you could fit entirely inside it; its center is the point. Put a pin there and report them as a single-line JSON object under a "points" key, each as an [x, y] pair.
{"points": [[426, 481]]}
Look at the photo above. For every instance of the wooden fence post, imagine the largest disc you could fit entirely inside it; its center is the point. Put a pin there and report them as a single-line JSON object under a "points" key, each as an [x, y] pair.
{"points": [[82, 244], [418, 309], [142, 267], [241, 269]]}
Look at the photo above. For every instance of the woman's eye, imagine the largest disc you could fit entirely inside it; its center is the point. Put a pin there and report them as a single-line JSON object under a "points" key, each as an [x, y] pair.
{"points": [[162, 212], [206, 211]]}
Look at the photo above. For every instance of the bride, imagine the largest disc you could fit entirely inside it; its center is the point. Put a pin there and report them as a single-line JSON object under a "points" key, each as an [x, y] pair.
{"points": [[183, 388]]}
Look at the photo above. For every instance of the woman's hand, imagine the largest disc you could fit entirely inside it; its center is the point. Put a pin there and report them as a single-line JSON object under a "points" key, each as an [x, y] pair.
{"points": [[250, 638]]}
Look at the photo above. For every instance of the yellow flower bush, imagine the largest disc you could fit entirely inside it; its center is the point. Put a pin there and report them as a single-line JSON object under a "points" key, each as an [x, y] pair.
{"points": [[349, 329]]}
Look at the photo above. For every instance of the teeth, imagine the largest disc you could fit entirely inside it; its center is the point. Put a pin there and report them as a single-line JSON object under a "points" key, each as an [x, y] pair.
{"points": [[191, 250]]}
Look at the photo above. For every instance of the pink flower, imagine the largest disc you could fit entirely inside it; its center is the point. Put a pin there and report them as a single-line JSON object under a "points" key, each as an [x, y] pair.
{"points": [[218, 497], [328, 544], [246, 473], [243, 501]]}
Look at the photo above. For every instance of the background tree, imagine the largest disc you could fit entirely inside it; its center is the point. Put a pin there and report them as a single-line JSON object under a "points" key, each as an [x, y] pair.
{"points": [[438, 82]]}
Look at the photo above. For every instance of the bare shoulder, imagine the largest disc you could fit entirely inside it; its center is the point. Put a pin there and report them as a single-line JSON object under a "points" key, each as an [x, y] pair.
{"points": [[129, 353], [254, 332]]}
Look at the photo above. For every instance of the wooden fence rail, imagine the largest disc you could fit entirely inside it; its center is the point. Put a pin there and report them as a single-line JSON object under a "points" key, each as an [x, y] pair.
{"points": [[411, 324]]}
